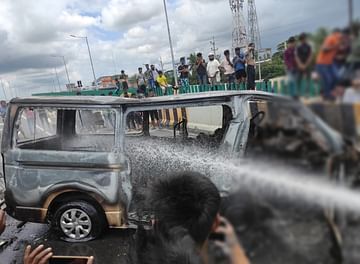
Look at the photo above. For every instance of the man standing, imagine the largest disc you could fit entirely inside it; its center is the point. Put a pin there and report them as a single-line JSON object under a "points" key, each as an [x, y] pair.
{"points": [[124, 81], [141, 83], [118, 86], [213, 70], [239, 65], [303, 56], [250, 61], [325, 63], [184, 73], [162, 81], [154, 73], [290, 65], [201, 69], [148, 76], [228, 68]]}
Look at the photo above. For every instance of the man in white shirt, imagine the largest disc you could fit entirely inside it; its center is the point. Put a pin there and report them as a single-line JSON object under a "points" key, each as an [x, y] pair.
{"points": [[213, 69], [228, 68]]}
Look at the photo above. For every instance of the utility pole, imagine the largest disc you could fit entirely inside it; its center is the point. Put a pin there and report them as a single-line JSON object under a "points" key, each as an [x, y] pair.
{"points": [[171, 46], [213, 48], [161, 64], [351, 14], [57, 77], [3, 88]]}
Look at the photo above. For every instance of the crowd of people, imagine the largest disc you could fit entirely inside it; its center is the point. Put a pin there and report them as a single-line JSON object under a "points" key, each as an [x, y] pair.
{"points": [[186, 217], [239, 69], [335, 65]]}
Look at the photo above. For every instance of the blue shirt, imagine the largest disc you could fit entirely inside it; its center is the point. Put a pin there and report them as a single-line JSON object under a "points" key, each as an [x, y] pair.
{"points": [[239, 62]]}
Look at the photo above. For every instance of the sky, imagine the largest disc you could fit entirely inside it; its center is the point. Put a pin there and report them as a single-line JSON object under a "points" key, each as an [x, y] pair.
{"points": [[126, 34]]}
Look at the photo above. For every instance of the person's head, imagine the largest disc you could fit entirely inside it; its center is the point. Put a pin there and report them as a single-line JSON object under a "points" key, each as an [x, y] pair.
{"points": [[227, 53], [126, 95], [303, 37], [291, 42], [189, 200], [211, 56], [199, 55], [116, 80], [161, 73], [182, 60], [110, 93], [237, 51], [122, 71], [251, 46], [152, 67], [147, 66], [140, 70]]}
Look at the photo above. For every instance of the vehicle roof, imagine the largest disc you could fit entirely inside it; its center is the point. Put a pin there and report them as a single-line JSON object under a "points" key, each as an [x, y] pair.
{"points": [[112, 100]]}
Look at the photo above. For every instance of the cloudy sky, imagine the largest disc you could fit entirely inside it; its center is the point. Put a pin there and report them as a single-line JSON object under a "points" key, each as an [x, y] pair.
{"points": [[125, 34]]}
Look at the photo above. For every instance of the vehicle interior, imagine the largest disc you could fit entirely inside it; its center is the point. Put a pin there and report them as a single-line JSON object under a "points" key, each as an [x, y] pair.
{"points": [[279, 128], [65, 129], [184, 124]]}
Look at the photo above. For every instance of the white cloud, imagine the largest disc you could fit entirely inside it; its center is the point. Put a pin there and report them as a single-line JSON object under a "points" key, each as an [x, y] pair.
{"points": [[120, 14], [125, 34]]}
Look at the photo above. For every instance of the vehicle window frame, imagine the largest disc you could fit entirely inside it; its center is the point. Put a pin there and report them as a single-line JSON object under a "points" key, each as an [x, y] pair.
{"points": [[117, 127]]}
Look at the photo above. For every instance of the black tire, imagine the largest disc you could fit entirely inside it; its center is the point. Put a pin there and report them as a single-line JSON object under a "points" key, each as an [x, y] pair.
{"points": [[81, 220]]}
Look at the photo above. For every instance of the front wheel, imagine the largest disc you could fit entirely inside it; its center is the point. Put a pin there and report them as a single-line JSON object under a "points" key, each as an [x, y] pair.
{"points": [[78, 221]]}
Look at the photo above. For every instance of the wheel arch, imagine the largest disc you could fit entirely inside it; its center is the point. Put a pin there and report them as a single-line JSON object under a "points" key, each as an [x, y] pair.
{"points": [[55, 200]]}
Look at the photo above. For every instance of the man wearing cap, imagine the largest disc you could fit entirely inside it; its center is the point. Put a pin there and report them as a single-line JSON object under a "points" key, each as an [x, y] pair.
{"points": [[213, 69]]}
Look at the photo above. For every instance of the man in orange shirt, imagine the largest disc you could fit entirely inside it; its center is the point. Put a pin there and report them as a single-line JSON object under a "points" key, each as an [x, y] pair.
{"points": [[325, 63]]}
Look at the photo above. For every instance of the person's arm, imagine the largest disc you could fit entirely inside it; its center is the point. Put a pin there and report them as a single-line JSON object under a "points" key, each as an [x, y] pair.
{"points": [[38, 256], [2, 221], [231, 243], [309, 60], [300, 65]]}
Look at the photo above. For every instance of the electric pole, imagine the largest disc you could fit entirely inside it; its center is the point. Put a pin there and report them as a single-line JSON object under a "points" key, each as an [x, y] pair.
{"points": [[213, 48]]}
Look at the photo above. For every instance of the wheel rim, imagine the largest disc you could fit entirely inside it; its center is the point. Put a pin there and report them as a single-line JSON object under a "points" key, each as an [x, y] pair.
{"points": [[75, 224]]}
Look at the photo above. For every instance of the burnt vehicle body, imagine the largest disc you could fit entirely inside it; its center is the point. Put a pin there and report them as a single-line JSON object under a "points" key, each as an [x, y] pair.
{"points": [[66, 160]]}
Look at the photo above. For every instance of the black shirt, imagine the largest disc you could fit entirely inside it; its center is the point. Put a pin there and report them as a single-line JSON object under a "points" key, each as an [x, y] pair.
{"points": [[183, 75], [303, 52], [201, 69]]}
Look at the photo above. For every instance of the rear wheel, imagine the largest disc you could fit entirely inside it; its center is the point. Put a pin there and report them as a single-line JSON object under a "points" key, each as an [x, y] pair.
{"points": [[78, 221]]}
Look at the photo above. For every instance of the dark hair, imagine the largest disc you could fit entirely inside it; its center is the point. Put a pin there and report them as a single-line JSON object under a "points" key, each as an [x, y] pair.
{"points": [[189, 200], [110, 93], [237, 48], [226, 52], [78, 93], [291, 40], [252, 44], [160, 72], [199, 54], [116, 79], [122, 71], [140, 68], [303, 36]]}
